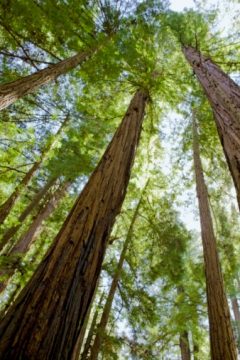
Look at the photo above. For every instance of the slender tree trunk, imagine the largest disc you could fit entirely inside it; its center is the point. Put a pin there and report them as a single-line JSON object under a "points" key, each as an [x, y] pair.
{"points": [[221, 334], [14, 90], [47, 318], [108, 305], [9, 233], [91, 331], [34, 229], [195, 350], [224, 96], [236, 312], [183, 338], [184, 346], [7, 206]]}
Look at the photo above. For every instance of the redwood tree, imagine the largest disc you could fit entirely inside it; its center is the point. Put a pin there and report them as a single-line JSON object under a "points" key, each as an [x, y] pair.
{"points": [[221, 334], [224, 96], [7, 206], [108, 305], [47, 318], [15, 90]]}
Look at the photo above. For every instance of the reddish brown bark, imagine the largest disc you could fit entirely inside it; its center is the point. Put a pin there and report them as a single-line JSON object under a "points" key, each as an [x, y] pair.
{"points": [[221, 333], [184, 346], [224, 96], [7, 206], [108, 305], [9, 233], [48, 316], [14, 90]]}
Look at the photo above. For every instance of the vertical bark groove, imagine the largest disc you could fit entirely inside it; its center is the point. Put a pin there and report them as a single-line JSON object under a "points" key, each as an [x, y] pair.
{"points": [[57, 298], [224, 97], [221, 333], [108, 305]]}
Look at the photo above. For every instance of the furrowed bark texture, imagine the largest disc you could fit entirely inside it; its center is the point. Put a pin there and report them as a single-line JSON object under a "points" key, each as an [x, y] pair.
{"points": [[184, 346], [9, 233], [34, 230], [7, 206], [221, 333], [224, 96], [14, 90], [48, 316], [108, 305]]}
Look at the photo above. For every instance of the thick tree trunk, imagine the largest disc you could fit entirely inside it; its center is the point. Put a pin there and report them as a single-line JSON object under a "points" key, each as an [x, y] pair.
{"points": [[224, 96], [48, 316], [108, 305], [184, 346], [221, 333], [34, 229], [7, 206], [91, 331], [14, 90], [9, 233]]}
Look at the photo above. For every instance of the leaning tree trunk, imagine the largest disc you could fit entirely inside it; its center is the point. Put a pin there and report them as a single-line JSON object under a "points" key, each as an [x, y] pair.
{"points": [[14, 90], [224, 96], [91, 331], [34, 230], [46, 319], [108, 305], [221, 333], [184, 346], [9, 233], [7, 206]]}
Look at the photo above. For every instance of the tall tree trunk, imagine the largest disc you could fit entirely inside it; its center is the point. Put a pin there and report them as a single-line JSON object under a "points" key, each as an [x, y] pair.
{"points": [[221, 333], [224, 96], [91, 331], [184, 346], [46, 319], [236, 312], [7, 206], [108, 305], [9, 233], [34, 230], [183, 338], [14, 90]]}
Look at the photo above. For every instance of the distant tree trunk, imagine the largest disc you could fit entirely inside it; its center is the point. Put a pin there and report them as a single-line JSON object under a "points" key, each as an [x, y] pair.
{"points": [[184, 346], [9, 233], [7, 206], [221, 333], [46, 319], [91, 331], [195, 350], [224, 96], [14, 90], [34, 229], [183, 338], [236, 312], [108, 305]]}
